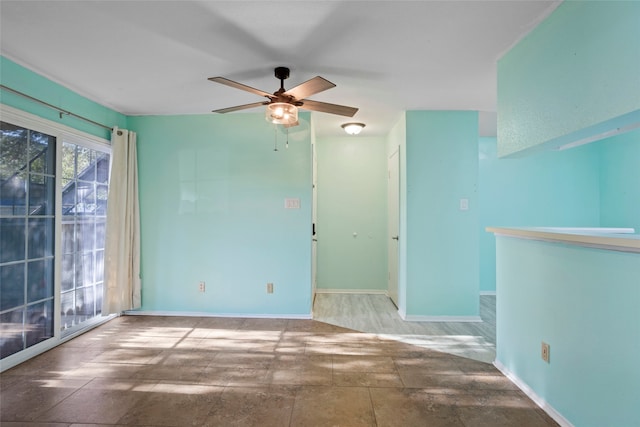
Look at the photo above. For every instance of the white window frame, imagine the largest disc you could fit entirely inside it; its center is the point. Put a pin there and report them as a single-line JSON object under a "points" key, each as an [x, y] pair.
{"points": [[62, 133]]}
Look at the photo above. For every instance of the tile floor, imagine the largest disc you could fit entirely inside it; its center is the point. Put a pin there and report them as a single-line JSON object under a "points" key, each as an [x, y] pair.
{"points": [[188, 371]]}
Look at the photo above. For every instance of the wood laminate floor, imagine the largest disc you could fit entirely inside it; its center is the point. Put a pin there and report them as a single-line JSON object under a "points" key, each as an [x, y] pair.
{"points": [[206, 371], [376, 314]]}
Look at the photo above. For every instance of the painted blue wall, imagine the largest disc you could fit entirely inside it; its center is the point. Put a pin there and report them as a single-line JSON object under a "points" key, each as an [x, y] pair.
{"points": [[574, 76], [352, 198], [584, 303], [23, 80], [620, 181], [552, 188], [441, 240], [212, 202]]}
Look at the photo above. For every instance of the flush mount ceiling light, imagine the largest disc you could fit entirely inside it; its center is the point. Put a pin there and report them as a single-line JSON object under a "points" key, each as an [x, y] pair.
{"points": [[282, 113], [353, 128]]}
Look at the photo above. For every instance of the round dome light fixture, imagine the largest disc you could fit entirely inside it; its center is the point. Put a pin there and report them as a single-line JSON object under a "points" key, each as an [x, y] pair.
{"points": [[353, 128]]}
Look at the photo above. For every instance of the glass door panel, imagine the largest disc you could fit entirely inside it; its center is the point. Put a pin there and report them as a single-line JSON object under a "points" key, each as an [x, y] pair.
{"points": [[84, 198], [27, 221]]}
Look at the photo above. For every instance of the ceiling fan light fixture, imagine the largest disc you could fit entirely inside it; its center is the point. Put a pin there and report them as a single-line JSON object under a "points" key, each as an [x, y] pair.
{"points": [[281, 113], [353, 128]]}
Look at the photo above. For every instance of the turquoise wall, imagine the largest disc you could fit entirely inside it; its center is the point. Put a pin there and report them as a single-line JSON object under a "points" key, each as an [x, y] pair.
{"points": [[595, 185], [542, 99], [352, 198], [441, 240], [573, 78], [584, 303], [212, 202], [23, 80], [552, 188], [620, 181]]}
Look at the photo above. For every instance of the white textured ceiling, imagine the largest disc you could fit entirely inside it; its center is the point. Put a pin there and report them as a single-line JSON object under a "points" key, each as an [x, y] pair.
{"points": [[154, 57]]}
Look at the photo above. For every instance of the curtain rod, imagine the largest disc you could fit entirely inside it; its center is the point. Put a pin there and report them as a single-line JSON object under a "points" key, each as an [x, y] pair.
{"points": [[60, 110]]}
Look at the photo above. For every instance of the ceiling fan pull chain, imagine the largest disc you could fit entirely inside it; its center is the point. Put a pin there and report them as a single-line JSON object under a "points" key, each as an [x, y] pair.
{"points": [[275, 138], [287, 144]]}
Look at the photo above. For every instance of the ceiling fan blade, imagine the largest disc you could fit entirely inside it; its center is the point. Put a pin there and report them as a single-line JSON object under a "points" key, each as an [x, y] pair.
{"points": [[310, 87], [240, 107], [325, 107], [240, 86]]}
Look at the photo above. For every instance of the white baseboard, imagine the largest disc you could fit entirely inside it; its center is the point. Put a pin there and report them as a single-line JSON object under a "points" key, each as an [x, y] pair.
{"points": [[352, 291], [414, 318], [205, 314], [488, 293], [550, 410]]}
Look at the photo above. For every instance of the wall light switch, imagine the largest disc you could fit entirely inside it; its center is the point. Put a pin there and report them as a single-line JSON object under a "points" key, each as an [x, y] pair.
{"points": [[464, 204]]}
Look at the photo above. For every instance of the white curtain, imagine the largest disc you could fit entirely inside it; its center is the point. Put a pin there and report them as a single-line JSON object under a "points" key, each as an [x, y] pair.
{"points": [[122, 248]]}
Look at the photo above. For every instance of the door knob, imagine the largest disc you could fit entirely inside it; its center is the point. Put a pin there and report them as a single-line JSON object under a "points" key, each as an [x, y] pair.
{"points": [[395, 237]]}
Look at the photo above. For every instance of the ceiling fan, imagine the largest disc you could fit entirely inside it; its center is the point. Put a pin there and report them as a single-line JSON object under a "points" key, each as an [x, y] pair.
{"points": [[282, 105]]}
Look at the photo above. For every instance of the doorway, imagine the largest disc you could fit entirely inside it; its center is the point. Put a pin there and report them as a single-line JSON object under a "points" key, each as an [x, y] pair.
{"points": [[393, 210], [351, 227]]}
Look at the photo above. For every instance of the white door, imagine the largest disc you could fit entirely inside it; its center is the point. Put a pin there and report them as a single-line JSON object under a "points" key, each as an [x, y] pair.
{"points": [[314, 219], [393, 193]]}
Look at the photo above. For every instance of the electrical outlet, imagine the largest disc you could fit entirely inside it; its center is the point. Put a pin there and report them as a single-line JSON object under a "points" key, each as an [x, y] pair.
{"points": [[544, 352], [202, 286], [269, 288]]}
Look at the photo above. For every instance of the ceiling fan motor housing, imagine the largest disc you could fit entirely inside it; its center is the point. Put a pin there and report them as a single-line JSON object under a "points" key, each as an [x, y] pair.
{"points": [[282, 73]]}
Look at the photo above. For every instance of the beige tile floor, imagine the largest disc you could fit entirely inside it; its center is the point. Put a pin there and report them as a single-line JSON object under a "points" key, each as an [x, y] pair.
{"points": [[189, 371]]}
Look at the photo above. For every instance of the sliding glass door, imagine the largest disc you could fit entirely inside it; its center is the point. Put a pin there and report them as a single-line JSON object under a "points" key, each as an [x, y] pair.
{"points": [[53, 205]]}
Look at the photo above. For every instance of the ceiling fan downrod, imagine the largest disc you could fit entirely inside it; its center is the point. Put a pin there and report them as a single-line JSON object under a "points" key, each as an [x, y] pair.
{"points": [[281, 73]]}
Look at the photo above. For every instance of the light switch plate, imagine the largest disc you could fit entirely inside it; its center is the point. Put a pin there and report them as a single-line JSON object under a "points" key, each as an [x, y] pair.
{"points": [[292, 203], [464, 204]]}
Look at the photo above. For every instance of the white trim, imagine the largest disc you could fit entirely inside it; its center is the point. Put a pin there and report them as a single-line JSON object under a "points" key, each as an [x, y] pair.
{"points": [[352, 291], [67, 133], [418, 318], [550, 410], [613, 239], [488, 293], [205, 314]]}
